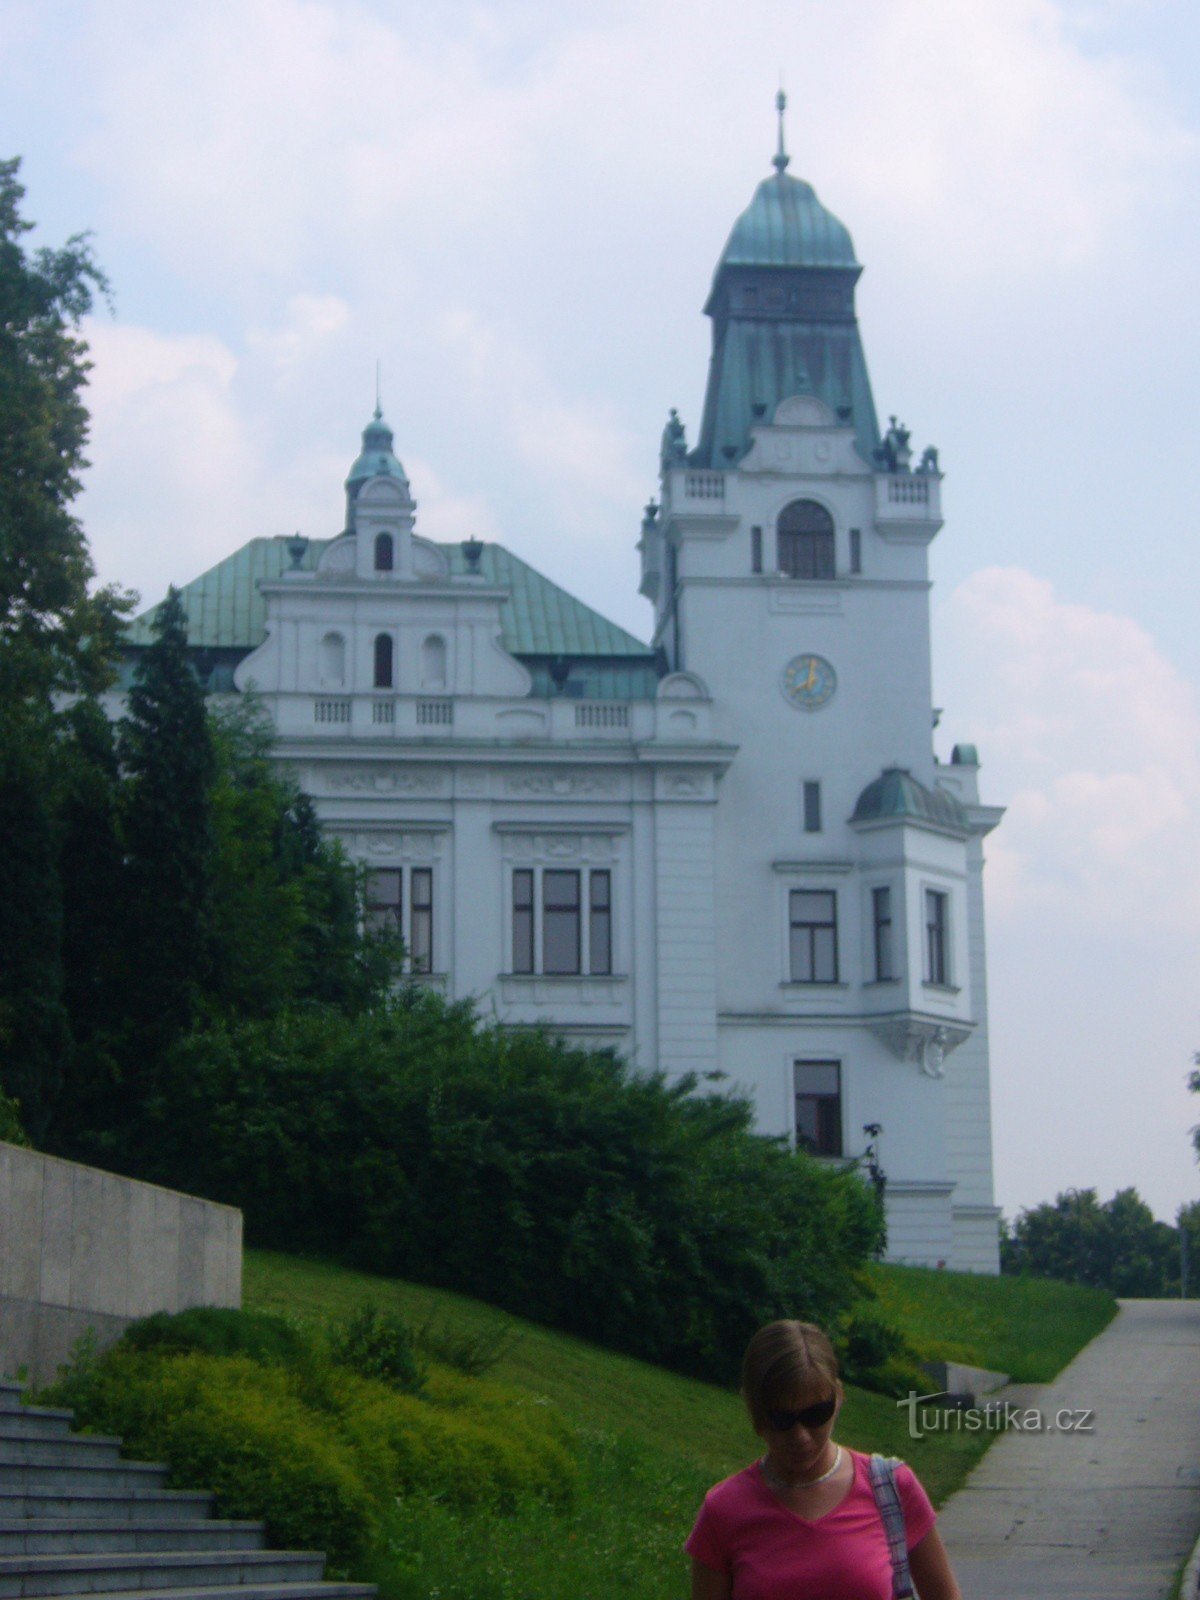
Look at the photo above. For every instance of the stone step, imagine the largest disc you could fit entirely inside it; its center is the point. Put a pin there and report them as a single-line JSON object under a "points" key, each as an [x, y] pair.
{"points": [[110, 1477], [22, 1449], [40, 1420], [10, 1395], [120, 1506], [86, 1535], [100, 1572]]}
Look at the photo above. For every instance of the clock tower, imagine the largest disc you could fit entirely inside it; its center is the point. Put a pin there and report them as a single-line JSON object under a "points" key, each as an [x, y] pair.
{"points": [[787, 565]]}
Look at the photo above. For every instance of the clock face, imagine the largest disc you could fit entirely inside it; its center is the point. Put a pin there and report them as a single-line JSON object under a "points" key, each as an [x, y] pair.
{"points": [[808, 682]]}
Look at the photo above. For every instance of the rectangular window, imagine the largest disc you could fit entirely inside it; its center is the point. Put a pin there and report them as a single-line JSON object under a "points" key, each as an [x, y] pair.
{"points": [[560, 922], [755, 549], [937, 965], [855, 549], [600, 924], [813, 935], [420, 943], [523, 920], [812, 808], [819, 1107], [385, 911], [385, 900], [881, 917]]}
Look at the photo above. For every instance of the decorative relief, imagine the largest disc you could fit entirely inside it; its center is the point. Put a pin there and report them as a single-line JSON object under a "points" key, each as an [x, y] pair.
{"points": [[921, 1041], [589, 848], [387, 780], [471, 783], [399, 845], [562, 783]]}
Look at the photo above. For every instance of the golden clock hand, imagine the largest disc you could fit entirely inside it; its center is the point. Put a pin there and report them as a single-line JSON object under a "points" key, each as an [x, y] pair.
{"points": [[812, 675]]}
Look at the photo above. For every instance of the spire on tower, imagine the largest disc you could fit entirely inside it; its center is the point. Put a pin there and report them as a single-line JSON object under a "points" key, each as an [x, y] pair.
{"points": [[781, 156]]}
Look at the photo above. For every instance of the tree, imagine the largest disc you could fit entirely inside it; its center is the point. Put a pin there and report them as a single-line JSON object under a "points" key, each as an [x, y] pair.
{"points": [[166, 751], [53, 633], [1117, 1245], [34, 1036]]}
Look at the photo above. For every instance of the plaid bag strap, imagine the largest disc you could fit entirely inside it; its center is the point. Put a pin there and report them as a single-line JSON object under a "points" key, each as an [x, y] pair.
{"points": [[887, 1498]]}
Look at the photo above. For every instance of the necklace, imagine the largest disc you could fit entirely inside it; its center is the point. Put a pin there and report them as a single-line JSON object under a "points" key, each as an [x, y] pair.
{"points": [[782, 1484]]}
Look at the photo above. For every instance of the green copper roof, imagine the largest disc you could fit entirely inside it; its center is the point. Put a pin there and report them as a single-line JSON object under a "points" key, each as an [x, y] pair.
{"points": [[785, 225], [377, 458], [756, 364], [896, 795], [226, 608]]}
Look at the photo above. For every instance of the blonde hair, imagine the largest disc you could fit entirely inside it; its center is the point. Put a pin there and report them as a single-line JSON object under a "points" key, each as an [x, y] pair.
{"points": [[781, 1359]]}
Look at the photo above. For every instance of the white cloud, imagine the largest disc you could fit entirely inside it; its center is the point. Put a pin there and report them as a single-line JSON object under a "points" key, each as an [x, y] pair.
{"points": [[1092, 738], [310, 321]]}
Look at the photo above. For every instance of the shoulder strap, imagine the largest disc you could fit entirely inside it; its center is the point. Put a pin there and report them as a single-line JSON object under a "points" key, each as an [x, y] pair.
{"points": [[887, 1499]]}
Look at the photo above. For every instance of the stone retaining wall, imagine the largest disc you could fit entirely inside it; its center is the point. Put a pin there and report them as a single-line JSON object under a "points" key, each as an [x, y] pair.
{"points": [[81, 1248]]}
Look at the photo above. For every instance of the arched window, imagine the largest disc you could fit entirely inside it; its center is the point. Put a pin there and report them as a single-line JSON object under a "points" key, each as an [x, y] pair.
{"points": [[383, 661], [384, 552], [433, 662], [333, 660], [805, 540]]}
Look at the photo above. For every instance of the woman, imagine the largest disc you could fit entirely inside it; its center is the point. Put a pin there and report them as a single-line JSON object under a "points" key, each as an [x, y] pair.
{"points": [[802, 1523]]}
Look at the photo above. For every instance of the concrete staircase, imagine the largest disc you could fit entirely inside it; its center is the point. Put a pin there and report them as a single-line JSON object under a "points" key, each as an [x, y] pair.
{"points": [[77, 1519]]}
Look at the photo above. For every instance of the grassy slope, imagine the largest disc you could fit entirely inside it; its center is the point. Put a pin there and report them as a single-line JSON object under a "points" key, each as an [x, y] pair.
{"points": [[695, 1425], [1027, 1327], [650, 1443]]}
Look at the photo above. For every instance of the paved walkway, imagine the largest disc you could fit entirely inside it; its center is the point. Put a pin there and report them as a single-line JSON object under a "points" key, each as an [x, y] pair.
{"points": [[1105, 1515]]}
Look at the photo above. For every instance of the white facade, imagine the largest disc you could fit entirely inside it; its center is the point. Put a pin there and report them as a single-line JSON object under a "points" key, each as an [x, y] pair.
{"points": [[758, 869]]}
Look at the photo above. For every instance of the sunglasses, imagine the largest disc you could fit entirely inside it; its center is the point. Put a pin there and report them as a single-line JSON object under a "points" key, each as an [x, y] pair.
{"points": [[810, 1417]]}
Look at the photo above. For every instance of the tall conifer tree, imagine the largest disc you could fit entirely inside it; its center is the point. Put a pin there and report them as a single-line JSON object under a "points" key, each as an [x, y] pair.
{"points": [[167, 753]]}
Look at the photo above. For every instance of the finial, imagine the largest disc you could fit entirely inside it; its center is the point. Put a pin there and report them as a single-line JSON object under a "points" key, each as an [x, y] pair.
{"points": [[781, 156], [378, 403]]}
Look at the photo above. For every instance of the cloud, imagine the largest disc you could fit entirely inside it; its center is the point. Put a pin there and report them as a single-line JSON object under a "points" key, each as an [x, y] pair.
{"points": [[1092, 738], [311, 320], [1096, 737], [272, 135]]}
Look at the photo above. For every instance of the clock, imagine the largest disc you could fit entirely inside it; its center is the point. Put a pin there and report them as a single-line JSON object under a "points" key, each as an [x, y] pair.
{"points": [[808, 682]]}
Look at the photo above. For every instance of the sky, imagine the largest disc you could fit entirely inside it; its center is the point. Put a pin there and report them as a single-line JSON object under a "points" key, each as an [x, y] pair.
{"points": [[516, 208]]}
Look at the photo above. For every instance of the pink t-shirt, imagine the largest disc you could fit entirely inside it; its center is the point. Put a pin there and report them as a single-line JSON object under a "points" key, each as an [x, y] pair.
{"points": [[772, 1554]]}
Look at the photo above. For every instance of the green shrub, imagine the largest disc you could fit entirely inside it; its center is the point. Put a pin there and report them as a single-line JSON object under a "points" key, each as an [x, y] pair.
{"points": [[548, 1180], [229, 1424], [11, 1130], [377, 1344], [471, 1351], [219, 1331]]}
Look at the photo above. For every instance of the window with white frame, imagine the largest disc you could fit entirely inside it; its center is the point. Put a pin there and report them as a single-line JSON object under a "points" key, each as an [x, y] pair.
{"points": [[937, 937], [409, 916], [562, 921], [812, 932], [883, 933], [819, 1107]]}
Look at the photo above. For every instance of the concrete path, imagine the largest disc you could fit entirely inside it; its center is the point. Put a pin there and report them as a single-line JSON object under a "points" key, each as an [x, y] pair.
{"points": [[1108, 1514]]}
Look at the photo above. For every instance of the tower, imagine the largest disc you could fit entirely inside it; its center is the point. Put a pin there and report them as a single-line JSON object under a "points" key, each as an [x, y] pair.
{"points": [[787, 565]]}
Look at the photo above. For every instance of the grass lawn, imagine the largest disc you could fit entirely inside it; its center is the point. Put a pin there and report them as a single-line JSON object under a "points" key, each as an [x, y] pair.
{"points": [[1027, 1327], [650, 1443]]}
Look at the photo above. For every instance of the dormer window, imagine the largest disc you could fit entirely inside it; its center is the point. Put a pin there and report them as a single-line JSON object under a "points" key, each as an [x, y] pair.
{"points": [[805, 531], [384, 652], [385, 553]]}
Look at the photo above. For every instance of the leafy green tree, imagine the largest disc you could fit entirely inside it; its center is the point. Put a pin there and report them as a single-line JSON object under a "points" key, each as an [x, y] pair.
{"points": [[54, 634], [287, 909], [166, 752], [1187, 1223], [1116, 1245], [34, 1035]]}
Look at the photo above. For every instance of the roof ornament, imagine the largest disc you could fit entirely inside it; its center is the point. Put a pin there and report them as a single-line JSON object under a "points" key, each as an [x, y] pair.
{"points": [[378, 401], [781, 157]]}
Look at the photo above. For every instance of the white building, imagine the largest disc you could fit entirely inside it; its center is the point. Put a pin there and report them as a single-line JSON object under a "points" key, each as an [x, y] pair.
{"points": [[731, 851]]}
